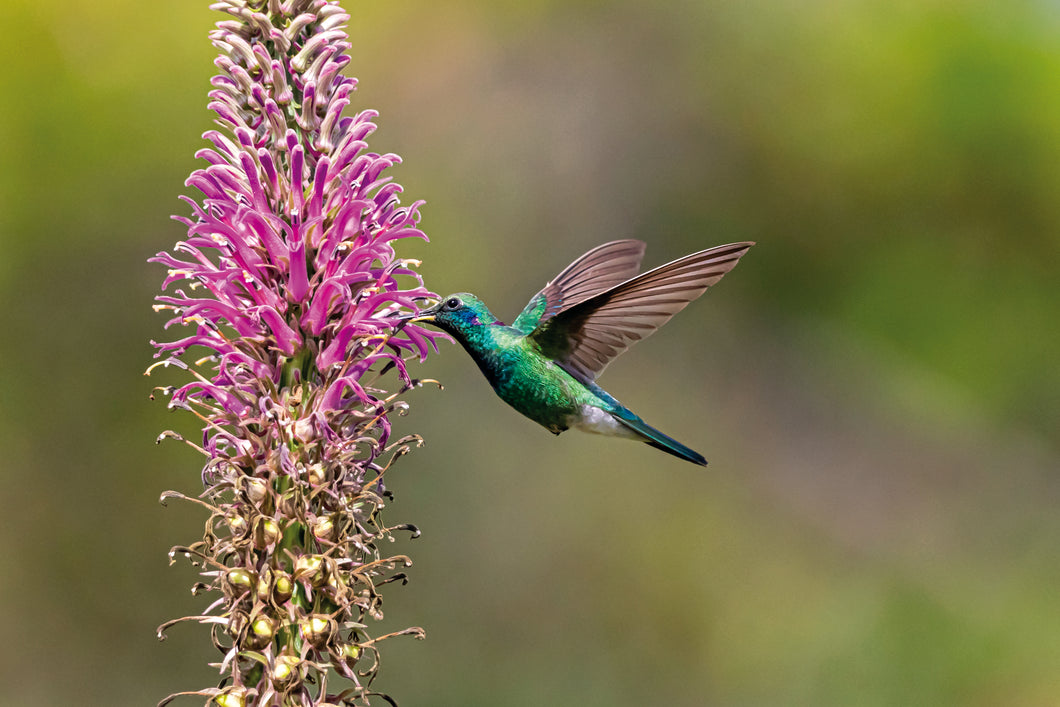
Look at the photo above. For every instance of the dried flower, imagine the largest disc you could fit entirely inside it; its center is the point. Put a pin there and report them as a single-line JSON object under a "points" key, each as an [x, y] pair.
{"points": [[290, 290]]}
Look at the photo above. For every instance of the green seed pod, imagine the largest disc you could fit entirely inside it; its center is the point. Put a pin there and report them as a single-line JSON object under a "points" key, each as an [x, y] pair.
{"points": [[262, 631], [239, 579], [256, 490], [312, 569], [318, 629], [266, 533], [324, 528], [282, 587], [264, 588], [237, 524], [232, 697], [286, 670], [349, 654], [291, 504], [317, 475]]}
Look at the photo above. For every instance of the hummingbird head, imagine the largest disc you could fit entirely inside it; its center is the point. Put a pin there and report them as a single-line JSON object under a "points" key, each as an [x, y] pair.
{"points": [[457, 314]]}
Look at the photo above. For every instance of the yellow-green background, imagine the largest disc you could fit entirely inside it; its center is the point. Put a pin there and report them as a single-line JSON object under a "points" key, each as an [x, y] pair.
{"points": [[877, 385]]}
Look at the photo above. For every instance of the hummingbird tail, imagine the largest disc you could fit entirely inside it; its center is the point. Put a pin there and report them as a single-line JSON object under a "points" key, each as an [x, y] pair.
{"points": [[657, 439]]}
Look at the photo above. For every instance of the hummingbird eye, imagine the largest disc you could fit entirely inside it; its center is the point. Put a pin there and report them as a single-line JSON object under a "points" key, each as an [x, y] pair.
{"points": [[452, 303]]}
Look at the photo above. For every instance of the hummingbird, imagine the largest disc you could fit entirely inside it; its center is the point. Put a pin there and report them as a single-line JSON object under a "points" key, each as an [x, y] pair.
{"points": [[546, 363]]}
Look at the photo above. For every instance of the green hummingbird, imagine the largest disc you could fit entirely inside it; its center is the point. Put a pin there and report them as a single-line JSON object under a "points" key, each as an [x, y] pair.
{"points": [[545, 364]]}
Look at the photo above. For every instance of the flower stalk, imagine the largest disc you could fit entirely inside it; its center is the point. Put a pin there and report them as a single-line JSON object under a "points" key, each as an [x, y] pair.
{"points": [[288, 292]]}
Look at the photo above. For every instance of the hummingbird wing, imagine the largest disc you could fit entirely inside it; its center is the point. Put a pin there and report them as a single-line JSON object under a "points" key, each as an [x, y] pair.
{"points": [[586, 336], [601, 268]]}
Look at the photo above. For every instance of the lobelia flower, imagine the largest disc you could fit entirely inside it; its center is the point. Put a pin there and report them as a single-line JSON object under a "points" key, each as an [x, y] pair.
{"points": [[289, 290]]}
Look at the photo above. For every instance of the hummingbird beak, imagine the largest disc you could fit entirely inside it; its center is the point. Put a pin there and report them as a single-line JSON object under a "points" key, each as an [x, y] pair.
{"points": [[426, 315]]}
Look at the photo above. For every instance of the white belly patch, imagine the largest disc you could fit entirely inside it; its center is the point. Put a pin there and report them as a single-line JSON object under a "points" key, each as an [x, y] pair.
{"points": [[597, 421]]}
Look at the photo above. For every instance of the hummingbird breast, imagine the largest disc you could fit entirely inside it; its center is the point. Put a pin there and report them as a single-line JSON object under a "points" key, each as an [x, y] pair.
{"points": [[531, 383], [542, 391]]}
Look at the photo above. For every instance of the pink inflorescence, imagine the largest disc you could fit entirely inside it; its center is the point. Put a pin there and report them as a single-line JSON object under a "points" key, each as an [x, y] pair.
{"points": [[290, 290]]}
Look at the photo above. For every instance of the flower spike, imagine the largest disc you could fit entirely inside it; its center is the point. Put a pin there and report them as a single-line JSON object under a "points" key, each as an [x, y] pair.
{"points": [[288, 294]]}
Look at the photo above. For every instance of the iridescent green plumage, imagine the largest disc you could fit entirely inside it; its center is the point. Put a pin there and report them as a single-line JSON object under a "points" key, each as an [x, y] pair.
{"points": [[546, 363]]}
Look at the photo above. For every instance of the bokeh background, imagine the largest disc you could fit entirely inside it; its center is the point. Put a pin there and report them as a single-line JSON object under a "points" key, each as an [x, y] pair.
{"points": [[877, 385]]}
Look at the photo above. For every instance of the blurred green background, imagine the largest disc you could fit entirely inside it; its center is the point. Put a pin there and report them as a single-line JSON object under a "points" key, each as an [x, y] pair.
{"points": [[876, 386]]}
